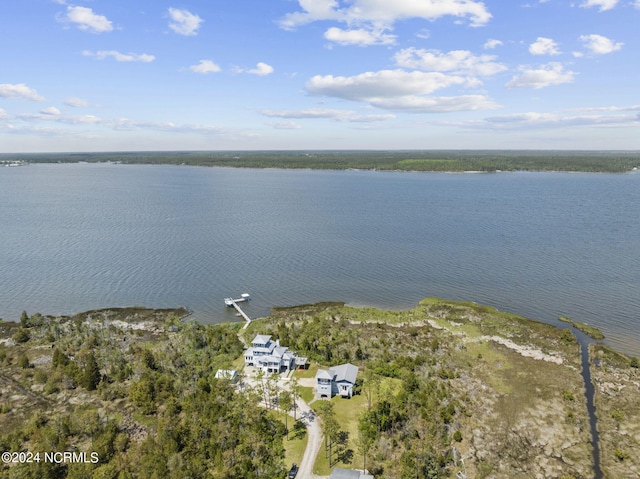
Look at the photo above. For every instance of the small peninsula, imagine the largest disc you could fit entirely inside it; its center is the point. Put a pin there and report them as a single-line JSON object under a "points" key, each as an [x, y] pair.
{"points": [[444, 390]]}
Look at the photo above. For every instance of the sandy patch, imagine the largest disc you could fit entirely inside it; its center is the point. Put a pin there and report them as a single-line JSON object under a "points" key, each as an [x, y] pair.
{"points": [[526, 351]]}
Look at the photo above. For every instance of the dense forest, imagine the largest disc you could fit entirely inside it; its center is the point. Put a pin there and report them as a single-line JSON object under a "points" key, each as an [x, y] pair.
{"points": [[392, 160], [145, 401]]}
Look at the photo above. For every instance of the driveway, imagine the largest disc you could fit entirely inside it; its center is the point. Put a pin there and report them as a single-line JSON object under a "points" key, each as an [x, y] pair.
{"points": [[314, 433], [314, 441]]}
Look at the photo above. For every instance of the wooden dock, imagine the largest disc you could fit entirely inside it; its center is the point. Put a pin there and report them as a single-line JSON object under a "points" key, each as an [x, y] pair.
{"points": [[234, 303]]}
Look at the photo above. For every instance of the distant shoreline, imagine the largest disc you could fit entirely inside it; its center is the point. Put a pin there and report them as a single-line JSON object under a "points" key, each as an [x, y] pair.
{"points": [[444, 161]]}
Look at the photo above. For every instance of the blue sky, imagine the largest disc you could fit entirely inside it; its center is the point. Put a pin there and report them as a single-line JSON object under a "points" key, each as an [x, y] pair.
{"points": [[98, 75]]}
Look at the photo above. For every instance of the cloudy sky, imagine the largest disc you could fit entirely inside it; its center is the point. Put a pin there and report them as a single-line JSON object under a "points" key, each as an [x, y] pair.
{"points": [[102, 75]]}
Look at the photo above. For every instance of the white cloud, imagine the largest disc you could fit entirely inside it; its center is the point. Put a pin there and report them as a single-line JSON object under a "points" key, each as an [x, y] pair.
{"points": [[380, 12], [602, 4], [261, 69], [183, 22], [325, 113], [205, 66], [45, 115], [120, 57], [544, 46], [76, 102], [3, 114], [531, 120], [359, 36], [85, 19], [550, 74], [312, 113], [384, 83], [118, 124], [443, 104], [399, 90], [19, 90], [491, 44], [52, 111], [609, 108], [285, 125], [457, 61], [370, 118], [599, 45]]}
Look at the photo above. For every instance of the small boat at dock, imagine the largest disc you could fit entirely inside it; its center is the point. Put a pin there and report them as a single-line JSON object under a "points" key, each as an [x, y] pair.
{"points": [[243, 298]]}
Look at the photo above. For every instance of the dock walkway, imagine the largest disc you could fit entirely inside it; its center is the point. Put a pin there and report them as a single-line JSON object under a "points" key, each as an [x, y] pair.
{"points": [[234, 303]]}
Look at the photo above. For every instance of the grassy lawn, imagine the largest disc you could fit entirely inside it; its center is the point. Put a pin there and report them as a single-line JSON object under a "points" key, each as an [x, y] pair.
{"points": [[238, 364], [306, 373], [306, 393], [347, 413], [297, 443]]}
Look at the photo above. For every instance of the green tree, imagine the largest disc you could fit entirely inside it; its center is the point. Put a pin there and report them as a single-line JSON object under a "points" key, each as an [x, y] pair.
{"points": [[330, 426], [366, 437], [142, 393], [295, 395], [285, 401], [91, 375], [23, 361], [149, 359], [21, 335], [59, 358]]}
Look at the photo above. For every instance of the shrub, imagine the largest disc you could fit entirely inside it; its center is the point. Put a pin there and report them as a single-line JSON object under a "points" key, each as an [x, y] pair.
{"points": [[23, 361], [21, 336]]}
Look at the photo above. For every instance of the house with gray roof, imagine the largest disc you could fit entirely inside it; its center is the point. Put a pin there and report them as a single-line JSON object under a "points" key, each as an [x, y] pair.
{"points": [[337, 380], [269, 356], [340, 473]]}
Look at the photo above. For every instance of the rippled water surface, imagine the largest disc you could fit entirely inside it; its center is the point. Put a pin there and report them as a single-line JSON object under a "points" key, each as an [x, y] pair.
{"points": [[82, 236]]}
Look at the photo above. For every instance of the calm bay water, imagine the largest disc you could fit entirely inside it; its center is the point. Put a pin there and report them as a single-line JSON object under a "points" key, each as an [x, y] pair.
{"points": [[75, 237]]}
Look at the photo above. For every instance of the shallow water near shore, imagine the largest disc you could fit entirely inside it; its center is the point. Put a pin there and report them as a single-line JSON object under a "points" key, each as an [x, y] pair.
{"points": [[85, 236]]}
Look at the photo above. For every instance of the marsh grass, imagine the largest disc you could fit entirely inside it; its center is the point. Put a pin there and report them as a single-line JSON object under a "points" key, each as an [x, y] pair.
{"points": [[617, 391], [590, 331]]}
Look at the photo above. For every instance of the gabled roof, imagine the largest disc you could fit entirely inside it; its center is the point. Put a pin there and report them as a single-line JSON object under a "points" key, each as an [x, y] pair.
{"points": [[261, 339], [345, 372], [324, 374], [279, 351]]}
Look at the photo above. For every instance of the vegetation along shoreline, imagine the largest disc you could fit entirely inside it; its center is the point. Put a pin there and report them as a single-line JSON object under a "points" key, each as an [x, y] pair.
{"points": [[447, 389], [451, 161]]}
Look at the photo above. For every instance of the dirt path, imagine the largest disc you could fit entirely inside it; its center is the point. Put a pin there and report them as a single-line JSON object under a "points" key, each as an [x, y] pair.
{"points": [[13, 383], [314, 432], [314, 441]]}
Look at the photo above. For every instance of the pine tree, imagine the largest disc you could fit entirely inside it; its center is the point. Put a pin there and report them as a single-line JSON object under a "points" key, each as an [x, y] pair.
{"points": [[91, 374]]}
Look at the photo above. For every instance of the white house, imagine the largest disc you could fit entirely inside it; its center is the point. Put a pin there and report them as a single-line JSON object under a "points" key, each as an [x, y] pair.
{"points": [[337, 380], [269, 356]]}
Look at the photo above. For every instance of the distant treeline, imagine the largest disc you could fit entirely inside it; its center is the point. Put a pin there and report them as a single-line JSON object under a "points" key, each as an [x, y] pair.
{"points": [[393, 160]]}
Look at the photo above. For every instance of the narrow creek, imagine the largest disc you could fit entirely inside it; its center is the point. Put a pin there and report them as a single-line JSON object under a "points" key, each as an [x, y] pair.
{"points": [[590, 394]]}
